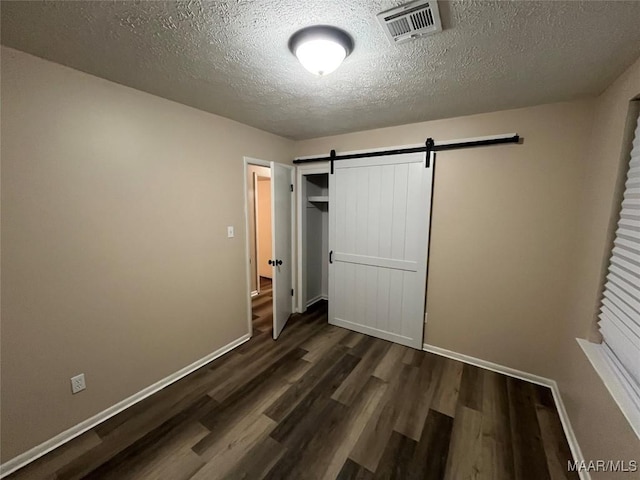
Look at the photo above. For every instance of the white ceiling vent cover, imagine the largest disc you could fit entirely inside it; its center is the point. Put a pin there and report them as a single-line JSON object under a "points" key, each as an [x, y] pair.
{"points": [[411, 20]]}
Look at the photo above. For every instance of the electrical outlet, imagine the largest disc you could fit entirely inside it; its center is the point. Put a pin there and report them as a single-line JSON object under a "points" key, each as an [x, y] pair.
{"points": [[77, 383], [230, 232]]}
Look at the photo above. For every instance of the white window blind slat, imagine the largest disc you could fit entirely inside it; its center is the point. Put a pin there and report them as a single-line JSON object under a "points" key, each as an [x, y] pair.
{"points": [[631, 224], [621, 262], [629, 214], [624, 292], [628, 233], [616, 313], [624, 350], [619, 318], [627, 312], [631, 204], [627, 381], [626, 244], [628, 276], [628, 255], [631, 328], [629, 282]]}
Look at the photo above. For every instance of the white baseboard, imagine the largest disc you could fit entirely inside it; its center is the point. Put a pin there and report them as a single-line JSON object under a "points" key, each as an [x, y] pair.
{"points": [[316, 299], [62, 438], [568, 429], [494, 367], [374, 332], [529, 377]]}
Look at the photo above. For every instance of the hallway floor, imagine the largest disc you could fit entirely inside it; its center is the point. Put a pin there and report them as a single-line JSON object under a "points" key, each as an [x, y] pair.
{"points": [[262, 307]]}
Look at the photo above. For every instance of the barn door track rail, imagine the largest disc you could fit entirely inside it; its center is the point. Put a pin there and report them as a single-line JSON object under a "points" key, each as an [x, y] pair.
{"points": [[429, 146]]}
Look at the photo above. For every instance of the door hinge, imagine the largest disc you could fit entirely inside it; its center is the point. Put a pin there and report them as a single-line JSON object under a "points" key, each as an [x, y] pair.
{"points": [[292, 292], [292, 187]]}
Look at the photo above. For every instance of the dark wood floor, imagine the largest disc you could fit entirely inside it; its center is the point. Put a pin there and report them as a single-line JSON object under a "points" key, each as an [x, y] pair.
{"points": [[262, 307], [323, 402]]}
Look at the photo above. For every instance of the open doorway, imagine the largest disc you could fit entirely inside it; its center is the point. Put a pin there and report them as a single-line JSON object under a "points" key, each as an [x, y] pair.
{"points": [[260, 247], [262, 303], [276, 186]]}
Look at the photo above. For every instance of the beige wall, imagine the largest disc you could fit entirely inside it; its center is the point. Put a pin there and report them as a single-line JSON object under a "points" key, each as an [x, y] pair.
{"points": [[115, 259], [601, 429], [265, 244]]}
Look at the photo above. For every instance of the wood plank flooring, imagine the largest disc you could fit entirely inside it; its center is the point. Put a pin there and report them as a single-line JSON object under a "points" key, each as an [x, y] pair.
{"points": [[262, 307], [325, 403]]}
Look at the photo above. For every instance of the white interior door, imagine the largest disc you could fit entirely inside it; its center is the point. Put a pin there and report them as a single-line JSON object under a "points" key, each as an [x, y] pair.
{"points": [[379, 235], [282, 215]]}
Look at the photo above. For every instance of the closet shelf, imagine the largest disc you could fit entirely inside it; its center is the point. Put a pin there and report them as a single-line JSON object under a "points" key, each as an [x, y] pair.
{"points": [[319, 199]]}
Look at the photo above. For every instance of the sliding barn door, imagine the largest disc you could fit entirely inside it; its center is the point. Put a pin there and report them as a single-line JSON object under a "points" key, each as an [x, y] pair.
{"points": [[379, 235]]}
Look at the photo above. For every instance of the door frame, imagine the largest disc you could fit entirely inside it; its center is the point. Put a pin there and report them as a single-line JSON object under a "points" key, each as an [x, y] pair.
{"points": [[301, 171], [254, 185], [247, 247], [246, 161]]}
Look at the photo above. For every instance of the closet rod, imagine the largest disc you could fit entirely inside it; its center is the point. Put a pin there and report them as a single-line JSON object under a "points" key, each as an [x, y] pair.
{"points": [[430, 146]]}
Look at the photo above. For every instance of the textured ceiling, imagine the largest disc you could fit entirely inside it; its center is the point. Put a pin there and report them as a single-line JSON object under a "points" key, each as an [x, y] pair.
{"points": [[231, 57]]}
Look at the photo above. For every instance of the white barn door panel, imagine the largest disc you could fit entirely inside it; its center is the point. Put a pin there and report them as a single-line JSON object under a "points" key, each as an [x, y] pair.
{"points": [[379, 235]]}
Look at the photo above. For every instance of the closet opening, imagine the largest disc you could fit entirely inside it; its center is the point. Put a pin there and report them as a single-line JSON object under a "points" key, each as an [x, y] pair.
{"points": [[313, 238]]}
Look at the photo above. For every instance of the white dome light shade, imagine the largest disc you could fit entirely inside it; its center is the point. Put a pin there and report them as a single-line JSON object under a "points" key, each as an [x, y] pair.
{"points": [[320, 56], [321, 49]]}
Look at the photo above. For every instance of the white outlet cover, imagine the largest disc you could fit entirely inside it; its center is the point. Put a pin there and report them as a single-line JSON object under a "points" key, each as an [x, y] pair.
{"points": [[230, 232], [77, 383]]}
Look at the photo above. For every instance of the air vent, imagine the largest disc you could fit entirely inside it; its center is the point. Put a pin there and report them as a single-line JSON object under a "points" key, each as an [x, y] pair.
{"points": [[411, 20]]}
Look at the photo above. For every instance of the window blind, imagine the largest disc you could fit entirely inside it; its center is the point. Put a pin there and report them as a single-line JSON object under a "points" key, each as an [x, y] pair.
{"points": [[619, 318]]}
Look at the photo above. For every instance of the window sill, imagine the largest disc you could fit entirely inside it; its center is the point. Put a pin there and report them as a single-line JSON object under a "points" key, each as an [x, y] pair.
{"points": [[617, 386]]}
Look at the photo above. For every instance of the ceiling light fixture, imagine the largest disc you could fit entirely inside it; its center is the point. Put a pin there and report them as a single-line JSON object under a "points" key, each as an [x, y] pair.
{"points": [[321, 48]]}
